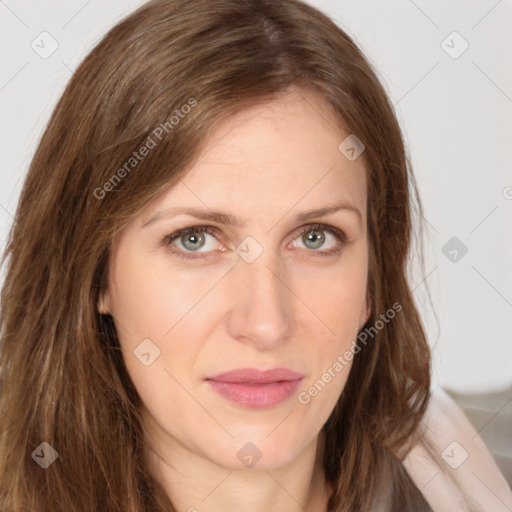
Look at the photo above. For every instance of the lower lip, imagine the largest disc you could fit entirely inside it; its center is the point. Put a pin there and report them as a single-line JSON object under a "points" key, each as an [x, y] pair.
{"points": [[256, 396]]}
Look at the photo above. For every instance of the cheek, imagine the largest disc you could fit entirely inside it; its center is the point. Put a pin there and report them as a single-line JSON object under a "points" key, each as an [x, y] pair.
{"points": [[338, 302], [337, 295], [150, 296], [163, 312]]}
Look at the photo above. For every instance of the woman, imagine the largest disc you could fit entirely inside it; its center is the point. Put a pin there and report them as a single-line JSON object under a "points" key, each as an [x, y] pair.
{"points": [[206, 304]]}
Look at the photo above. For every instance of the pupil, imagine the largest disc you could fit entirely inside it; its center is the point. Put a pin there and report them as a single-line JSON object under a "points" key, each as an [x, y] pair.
{"points": [[194, 239], [316, 237]]}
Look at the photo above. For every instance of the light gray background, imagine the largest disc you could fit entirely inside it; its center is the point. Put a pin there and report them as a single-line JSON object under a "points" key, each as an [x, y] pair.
{"points": [[456, 114]]}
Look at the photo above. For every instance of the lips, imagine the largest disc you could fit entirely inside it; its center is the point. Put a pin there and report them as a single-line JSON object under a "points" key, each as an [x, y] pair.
{"points": [[256, 389], [252, 375]]}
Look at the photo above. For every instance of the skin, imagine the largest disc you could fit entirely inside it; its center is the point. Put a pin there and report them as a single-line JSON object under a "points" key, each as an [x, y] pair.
{"points": [[291, 307]]}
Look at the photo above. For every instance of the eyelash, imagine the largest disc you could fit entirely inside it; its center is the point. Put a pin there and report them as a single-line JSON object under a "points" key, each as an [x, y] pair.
{"points": [[167, 241]]}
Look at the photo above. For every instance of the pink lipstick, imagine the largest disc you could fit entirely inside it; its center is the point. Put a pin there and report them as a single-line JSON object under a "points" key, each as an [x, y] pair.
{"points": [[254, 388]]}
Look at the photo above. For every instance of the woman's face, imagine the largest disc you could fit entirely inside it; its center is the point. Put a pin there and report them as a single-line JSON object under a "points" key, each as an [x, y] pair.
{"points": [[264, 288]]}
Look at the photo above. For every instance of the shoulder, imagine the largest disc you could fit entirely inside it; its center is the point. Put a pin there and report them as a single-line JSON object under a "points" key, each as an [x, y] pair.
{"points": [[452, 466]]}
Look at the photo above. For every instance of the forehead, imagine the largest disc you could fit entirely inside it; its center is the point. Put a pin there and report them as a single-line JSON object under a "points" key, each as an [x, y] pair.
{"points": [[274, 157]]}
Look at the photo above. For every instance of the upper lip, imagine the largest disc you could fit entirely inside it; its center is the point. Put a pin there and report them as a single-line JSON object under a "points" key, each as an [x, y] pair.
{"points": [[253, 375]]}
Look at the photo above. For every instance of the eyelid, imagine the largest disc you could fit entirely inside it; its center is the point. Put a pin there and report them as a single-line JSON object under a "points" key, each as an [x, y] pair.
{"points": [[214, 231]]}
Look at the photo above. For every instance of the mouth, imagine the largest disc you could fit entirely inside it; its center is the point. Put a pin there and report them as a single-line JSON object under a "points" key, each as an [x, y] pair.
{"points": [[255, 389]]}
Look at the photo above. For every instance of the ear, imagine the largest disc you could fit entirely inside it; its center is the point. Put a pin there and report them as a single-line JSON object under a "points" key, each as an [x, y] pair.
{"points": [[104, 303], [366, 312]]}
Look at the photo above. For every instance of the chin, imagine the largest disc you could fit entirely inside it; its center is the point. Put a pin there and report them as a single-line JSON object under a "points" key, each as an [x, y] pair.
{"points": [[256, 449]]}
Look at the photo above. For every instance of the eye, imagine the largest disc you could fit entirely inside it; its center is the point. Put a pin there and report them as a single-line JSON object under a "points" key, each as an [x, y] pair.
{"points": [[191, 239], [192, 242], [314, 237]]}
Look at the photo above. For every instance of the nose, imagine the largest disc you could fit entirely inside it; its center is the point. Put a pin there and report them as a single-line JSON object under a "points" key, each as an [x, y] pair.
{"points": [[261, 310]]}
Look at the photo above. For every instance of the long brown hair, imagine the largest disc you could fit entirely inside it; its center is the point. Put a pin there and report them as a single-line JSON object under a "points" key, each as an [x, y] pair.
{"points": [[62, 378]]}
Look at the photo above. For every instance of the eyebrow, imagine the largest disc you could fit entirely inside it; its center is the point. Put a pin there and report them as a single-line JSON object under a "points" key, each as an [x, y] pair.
{"points": [[230, 220]]}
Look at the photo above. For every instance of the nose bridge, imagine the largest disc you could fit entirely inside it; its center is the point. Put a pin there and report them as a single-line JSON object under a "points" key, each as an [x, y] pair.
{"points": [[261, 310]]}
